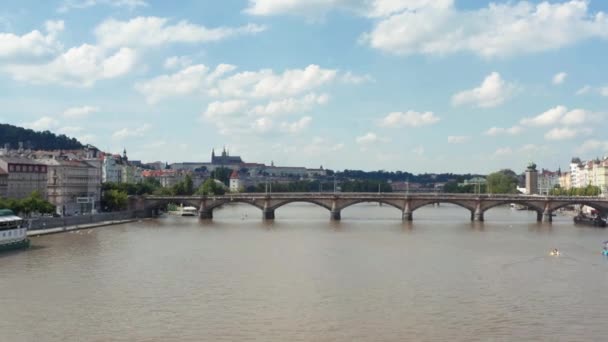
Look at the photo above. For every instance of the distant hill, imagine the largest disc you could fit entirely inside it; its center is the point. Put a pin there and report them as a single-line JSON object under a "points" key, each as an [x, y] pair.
{"points": [[45, 140]]}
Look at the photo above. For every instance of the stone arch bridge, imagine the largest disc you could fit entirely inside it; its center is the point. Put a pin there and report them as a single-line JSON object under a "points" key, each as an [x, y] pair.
{"points": [[336, 202]]}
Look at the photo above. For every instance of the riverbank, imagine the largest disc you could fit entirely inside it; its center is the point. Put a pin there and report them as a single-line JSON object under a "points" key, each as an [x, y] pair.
{"points": [[38, 232]]}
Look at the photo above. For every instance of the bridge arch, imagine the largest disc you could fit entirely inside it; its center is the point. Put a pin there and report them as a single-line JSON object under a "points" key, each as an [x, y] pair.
{"points": [[210, 205], [371, 200], [589, 203], [421, 203], [279, 204], [491, 205]]}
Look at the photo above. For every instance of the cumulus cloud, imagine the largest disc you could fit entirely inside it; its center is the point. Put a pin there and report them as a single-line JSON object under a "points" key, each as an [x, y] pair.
{"points": [[559, 78], [368, 138], [267, 83], [129, 132], [175, 62], [156, 31], [223, 108], [409, 118], [297, 126], [458, 139], [79, 112], [561, 114], [32, 44], [419, 150], [68, 5], [79, 66], [503, 151], [352, 78], [42, 124], [565, 133], [291, 105], [494, 131], [500, 29], [316, 8], [593, 145], [262, 125], [184, 82], [492, 92]]}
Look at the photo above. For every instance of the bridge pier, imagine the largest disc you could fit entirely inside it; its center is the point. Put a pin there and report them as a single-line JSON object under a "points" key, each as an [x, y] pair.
{"points": [[408, 214], [268, 214], [547, 218], [477, 215], [335, 215], [206, 214]]}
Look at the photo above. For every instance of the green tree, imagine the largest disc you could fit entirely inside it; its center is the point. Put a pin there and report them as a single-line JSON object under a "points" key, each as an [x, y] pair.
{"points": [[502, 182], [222, 174], [115, 200], [210, 187]]}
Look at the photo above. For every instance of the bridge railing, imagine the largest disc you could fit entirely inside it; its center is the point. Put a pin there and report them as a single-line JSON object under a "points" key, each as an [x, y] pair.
{"points": [[384, 195]]}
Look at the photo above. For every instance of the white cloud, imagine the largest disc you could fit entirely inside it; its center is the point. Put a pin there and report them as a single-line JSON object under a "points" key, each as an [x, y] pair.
{"points": [[79, 112], [262, 125], [70, 130], [368, 138], [155, 31], [494, 131], [561, 114], [604, 91], [175, 62], [409, 118], [34, 43], [593, 145], [565, 133], [492, 92], [419, 150], [42, 124], [296, 127], [549, 117], [584, 90], [317, 8], [81, 4], [503, 151], [351, 78], [559, 78], [500, 29], [79, 66], [184, 82], [266, 83], [127, 132], [223, 108], [291, 105], [458, 139]]}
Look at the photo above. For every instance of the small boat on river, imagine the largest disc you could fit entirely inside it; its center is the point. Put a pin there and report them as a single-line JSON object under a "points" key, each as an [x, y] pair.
{"points": [[596, 221]]}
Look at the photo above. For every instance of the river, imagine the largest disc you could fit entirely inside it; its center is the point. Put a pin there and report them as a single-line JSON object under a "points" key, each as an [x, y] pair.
{"points": [[369, 277]]}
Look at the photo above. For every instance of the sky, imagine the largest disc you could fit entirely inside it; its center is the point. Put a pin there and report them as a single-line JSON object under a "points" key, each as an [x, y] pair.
{"points": [[413, 85]]}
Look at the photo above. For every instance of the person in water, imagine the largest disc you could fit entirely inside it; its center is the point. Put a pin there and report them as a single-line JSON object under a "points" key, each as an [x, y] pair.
{"points": [[605, 251], [555, 251]]}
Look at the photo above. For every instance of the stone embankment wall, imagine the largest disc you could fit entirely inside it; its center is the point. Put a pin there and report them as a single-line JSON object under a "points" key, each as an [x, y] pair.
{"points": [[54, 222]]}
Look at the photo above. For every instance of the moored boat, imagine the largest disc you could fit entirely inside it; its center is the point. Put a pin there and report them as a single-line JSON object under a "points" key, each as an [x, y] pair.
{"points": [[590, 221], [189, 211], [13, 233]]}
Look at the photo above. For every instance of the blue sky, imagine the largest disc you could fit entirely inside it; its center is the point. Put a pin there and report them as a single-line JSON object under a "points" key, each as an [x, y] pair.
{"points": [[416, 85]]}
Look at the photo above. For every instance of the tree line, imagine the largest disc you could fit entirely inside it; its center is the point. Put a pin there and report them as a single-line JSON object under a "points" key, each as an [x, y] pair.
{"points": [[44, 140], [33, 204]]}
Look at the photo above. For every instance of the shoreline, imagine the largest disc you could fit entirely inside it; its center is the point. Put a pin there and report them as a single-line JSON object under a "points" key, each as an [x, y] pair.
{"points": [[57, 230]]}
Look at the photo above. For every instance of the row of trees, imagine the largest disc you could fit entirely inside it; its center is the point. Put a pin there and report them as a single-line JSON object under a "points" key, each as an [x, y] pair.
{"points": [[589, 190], [501, 182], [32, 204]]}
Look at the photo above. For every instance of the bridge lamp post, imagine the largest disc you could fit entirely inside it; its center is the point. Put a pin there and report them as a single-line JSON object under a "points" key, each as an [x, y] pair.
{"points": [[334, 183]]}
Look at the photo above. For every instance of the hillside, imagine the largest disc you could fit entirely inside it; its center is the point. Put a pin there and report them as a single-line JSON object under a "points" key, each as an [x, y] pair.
{"points": [[37, 140]]}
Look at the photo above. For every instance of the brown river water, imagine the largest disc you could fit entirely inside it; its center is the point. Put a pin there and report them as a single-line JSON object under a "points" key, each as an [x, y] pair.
{"points": [[369, 277]]}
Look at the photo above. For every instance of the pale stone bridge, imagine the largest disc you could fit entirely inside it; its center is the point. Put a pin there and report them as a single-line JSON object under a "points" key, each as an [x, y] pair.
{"points": [[336, 202]]}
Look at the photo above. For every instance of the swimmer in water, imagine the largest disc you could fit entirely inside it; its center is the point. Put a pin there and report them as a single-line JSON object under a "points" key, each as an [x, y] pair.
{"points": [[555, 251]]}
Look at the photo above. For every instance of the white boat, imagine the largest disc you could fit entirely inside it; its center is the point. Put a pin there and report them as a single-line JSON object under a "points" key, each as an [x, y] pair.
{"points": [[13, 233], [189, 211]]}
